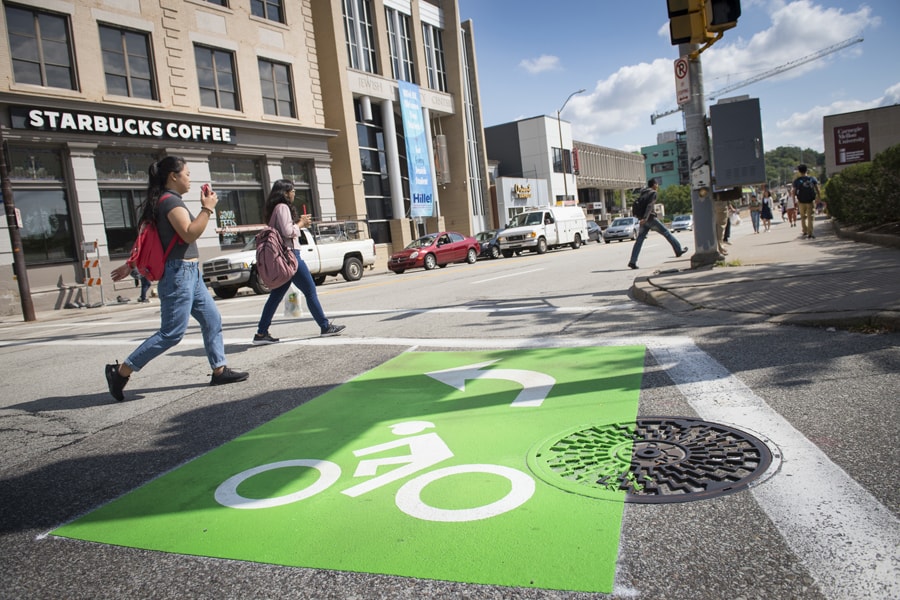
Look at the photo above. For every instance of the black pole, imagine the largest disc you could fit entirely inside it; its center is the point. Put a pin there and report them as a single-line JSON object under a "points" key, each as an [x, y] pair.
{"points": [[19, 271]]}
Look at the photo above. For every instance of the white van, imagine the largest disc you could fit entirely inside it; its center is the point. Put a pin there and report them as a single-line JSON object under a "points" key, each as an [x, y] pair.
{"points": [[539, 229]]}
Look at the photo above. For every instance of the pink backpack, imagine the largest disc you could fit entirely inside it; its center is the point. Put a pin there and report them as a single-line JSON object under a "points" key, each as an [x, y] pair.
{"points": [[276, 264]]}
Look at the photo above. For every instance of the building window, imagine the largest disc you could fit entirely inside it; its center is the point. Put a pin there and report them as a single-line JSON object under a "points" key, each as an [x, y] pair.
{"points": [[277, 88], [120, 197], [434, 57], [41, 199], [219, 2], [376, 184], [400, 44], [663, 167], [558, 157], [238, 183], [273, 10], [360, 35], [40, 47], [298, 172], [127, 63], [217, 78]]}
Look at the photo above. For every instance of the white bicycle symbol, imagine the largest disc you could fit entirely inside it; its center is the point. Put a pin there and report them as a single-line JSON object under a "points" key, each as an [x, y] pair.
{"points": [[426, 450]]}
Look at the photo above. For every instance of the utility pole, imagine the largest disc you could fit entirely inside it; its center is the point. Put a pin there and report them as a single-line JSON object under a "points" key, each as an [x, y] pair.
{"points": [[702, 203], [15, 238]]}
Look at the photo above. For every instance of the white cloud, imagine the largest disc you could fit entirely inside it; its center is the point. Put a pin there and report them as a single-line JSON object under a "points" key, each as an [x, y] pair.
{"points": [[545, 62], [625, 100]]}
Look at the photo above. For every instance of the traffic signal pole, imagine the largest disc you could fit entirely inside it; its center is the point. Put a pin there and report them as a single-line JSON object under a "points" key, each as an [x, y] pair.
{"points": [[702, 203]]}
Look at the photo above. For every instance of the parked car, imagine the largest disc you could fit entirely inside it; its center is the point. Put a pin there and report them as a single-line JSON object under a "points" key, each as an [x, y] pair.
{"points": [[682, 223], [623, 228], [324, 253], [594, 231], [490, 247], [435, 250]]}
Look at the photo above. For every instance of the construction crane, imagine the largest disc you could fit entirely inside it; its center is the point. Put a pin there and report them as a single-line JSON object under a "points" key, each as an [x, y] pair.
{"points": [[770, 73]]}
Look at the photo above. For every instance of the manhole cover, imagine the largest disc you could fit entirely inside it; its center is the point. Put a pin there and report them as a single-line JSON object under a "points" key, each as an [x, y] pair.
{"points": [[654, 460]]}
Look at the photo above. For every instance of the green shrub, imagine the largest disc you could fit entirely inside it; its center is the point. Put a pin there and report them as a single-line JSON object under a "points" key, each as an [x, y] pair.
{"points": [[868, 193]]}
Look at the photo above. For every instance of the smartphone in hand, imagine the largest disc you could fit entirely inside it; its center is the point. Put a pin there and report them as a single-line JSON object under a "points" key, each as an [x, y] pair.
{"points": [[204, 189]]}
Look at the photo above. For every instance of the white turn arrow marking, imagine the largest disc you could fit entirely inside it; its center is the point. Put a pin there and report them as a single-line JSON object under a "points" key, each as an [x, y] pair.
{"points": [[536, 386]]}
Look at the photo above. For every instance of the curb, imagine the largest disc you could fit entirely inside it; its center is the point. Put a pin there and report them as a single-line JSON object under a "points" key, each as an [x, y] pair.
{"points": [[879, 239]]}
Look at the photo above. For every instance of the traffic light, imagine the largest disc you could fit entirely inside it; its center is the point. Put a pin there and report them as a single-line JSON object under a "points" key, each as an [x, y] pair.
{"points": [[700, 21], [722, 14], [687, 22]]}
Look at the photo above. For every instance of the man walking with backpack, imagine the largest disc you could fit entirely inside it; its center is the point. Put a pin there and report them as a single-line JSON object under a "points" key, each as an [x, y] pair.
{"points": [[643, 209], [806, 190]]}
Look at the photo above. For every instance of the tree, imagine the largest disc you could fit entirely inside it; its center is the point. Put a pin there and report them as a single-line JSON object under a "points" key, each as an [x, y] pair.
{"points": [[676, 199]]}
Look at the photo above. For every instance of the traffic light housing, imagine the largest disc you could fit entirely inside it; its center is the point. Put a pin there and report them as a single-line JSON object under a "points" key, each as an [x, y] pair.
{"points": [[700, 21], [722, 14]]}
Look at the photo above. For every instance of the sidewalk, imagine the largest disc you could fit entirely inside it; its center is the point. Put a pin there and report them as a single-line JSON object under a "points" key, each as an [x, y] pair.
{"points": [[779, 277]]}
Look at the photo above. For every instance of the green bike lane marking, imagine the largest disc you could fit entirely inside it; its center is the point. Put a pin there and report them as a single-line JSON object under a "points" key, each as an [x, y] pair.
{"points": [[417, 468]]}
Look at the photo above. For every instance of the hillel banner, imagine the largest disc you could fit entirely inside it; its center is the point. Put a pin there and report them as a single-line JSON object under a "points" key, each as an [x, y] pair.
{"points": [[421, 191]]}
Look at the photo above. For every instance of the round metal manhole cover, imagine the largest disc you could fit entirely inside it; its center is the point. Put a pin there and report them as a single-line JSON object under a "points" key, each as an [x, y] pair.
{"points": [[653, 460]]}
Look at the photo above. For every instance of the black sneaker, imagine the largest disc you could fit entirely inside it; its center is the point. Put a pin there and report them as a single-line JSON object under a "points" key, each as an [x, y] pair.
{"points": [[115, 381], [262, 340], [228, 376], [333, 329], [632, 266], [681, 252]]}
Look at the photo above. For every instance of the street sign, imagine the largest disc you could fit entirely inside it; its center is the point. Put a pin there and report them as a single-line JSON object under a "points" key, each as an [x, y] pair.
{"points": [[682, 81]]}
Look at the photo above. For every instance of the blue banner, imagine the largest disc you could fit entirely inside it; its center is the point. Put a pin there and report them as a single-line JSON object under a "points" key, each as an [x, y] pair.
{"points": [[421, 192]]}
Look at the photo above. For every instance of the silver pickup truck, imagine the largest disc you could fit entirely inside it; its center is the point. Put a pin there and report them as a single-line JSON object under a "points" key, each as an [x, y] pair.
{"points": [[325, 254]]}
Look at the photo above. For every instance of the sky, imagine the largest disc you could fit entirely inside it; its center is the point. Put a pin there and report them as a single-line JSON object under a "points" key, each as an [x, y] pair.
{"points": [[531, 54]]}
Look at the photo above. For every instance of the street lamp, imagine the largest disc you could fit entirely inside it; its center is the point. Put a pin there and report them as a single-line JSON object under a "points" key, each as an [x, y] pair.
{"points": [[562, 150]]}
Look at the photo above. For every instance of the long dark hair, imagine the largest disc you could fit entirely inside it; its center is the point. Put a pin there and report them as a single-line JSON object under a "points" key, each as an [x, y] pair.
{"points": [[156, 185], [279, 195]]}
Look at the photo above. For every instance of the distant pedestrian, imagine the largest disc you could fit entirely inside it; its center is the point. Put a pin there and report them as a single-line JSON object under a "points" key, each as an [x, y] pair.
{"points": [[143, 282], [755, 209], [281, 214], [806, 189], [182, 293], [644, 209], [765, 213], [790, 206]]}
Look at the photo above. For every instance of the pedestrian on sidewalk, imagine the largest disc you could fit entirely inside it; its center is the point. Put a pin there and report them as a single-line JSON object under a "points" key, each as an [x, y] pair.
{"points": [[790, 204], [644, 209], [806, 189], [765, 212], [281, 215], [181, 290], [143, 282], [755, 208]]}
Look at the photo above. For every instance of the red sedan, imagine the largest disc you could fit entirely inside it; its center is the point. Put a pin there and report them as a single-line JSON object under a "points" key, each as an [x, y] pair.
{"points": [[435, 250]]}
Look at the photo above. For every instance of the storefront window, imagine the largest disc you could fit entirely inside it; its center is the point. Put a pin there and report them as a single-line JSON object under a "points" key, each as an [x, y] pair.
{"points": [[298, 172], [34, 164], [46, 227], [117, 166], [121, 213], [238, 183]]}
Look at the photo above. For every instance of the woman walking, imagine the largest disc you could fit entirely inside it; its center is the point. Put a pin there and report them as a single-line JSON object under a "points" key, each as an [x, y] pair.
{"points": [[755, 207], [181, 290], [281, 215], [766, 211]]}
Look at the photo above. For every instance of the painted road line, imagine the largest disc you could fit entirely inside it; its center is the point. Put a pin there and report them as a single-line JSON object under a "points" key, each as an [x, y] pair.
{"points": [[846, 539], [480, 281]]}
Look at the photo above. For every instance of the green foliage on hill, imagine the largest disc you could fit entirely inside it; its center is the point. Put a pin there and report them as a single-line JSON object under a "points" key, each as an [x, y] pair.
{"points": [[781, 164]]}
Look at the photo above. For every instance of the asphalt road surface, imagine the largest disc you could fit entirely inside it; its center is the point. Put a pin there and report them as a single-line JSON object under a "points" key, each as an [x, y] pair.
{"points": [[821, 522]]}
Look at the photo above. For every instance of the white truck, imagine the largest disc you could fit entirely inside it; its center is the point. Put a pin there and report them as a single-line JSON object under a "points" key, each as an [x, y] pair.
{"points": [[540, 229], [330, 252]]}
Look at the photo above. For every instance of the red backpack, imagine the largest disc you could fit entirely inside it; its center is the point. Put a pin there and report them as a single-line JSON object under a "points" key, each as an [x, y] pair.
{"points": [[147, 255]]}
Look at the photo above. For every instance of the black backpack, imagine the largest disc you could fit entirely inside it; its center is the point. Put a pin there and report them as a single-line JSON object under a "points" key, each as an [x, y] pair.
{"points": [[806, 190], [639, 208]]}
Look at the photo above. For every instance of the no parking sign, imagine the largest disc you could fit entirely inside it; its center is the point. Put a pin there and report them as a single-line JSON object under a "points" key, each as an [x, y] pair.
{"points": [[682, 81]]}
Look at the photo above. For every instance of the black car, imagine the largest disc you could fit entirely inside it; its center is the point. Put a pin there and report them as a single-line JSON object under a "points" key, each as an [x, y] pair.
{"points": [[489, 246], [594, 231]]}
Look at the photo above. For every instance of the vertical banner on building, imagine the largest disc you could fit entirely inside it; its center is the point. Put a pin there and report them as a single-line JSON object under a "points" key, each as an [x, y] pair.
{"points": [[421, 193]]}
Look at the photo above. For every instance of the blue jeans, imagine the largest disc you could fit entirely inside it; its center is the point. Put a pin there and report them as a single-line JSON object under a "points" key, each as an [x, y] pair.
{"points": [[182, 294], [145, 287], [655, 225], [304, 282], [754, 218]]}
